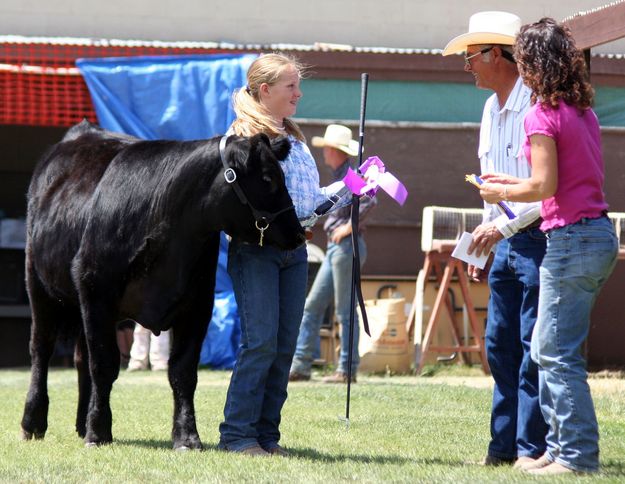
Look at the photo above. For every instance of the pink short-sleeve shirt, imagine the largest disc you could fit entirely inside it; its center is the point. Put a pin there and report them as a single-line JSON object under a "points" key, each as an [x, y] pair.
{"points": [[580, 162]]}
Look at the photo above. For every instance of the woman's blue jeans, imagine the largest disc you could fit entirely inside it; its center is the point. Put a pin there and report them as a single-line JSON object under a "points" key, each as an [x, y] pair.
{"points": [[332, 282], [270, 289], [579, 259], [516, 426]]}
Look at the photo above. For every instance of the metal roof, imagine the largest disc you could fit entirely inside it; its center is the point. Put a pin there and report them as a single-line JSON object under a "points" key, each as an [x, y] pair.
{"points": [[316, 47], [584, 13]]}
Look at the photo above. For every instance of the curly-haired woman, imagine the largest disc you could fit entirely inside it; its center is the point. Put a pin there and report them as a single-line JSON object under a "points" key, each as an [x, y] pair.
{"points": [[564, 147]]}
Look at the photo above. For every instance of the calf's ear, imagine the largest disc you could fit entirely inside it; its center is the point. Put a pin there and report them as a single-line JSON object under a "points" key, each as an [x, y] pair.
{"points": [[281, 147], [260, 138]]}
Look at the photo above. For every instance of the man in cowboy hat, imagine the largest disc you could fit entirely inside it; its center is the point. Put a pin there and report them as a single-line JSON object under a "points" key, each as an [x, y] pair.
{"points": [[333, 280], [517, 426]]}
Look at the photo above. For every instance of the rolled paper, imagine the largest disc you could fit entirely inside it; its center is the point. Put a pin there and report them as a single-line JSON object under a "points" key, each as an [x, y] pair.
{"points": [[374, 171], [477, 181]]}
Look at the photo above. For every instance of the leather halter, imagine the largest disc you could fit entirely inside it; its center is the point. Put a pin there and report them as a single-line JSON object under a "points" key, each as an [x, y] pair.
{"points": [[262, 219]]}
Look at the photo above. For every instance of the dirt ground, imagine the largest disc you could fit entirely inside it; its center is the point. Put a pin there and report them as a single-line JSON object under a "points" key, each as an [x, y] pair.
{"points": [[603, 383]]}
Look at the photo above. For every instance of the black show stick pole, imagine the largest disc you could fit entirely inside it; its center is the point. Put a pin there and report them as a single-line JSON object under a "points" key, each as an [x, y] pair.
{"points": [[356, 253]]}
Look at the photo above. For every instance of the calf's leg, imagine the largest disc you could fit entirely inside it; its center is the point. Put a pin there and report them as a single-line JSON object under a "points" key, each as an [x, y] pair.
{"points": [[182, 372], [81, 360], [46, 314], [188, 334], [99, 327]]}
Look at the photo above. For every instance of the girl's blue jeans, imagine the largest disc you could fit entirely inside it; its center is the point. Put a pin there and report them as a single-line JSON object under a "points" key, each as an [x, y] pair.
{"points": [[270, 289]]}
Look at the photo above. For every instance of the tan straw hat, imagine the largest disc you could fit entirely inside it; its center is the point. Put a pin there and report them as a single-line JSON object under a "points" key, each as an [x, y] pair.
{"points": [[486, 28], [339, 137]]}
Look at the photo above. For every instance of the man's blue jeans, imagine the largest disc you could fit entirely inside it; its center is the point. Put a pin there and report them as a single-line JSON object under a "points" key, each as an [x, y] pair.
{"points": [[333, 280], [579, 259], [517, 427], [270, 289]]}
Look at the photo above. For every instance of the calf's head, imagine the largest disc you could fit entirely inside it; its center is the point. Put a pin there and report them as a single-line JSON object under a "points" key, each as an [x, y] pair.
{"points": [[261, 181]]}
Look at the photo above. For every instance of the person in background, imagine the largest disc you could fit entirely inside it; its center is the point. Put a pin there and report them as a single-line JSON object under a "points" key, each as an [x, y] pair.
{"points": [[563, 146], [148, 351], [269, 284], [333, 280], [517, 427], [125, 330]]}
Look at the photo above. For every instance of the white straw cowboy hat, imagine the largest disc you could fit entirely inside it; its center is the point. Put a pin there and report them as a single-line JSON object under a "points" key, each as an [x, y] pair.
{"points": [[339, 137], [486, 28]]}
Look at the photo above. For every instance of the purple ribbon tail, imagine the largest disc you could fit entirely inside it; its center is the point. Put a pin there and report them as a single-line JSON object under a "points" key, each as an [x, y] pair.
{"points": [[393, 187], [380, 179]]}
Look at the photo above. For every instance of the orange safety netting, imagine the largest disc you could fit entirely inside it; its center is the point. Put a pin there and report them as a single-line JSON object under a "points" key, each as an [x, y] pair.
{"points": [[41, 86]]}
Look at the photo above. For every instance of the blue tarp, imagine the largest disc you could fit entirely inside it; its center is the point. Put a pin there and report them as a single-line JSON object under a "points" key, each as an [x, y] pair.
{"points": [[219, 349], [177, 97], [159, 97]]}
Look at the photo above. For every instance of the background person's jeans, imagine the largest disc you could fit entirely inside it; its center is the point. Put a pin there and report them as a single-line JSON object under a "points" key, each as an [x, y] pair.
{"points": [[579, 259], [270, 289], [332, 282], [149, 350], [517, 427]]}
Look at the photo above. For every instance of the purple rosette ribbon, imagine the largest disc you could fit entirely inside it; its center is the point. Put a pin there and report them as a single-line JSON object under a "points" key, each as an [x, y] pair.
{"points": [[374, 171]]}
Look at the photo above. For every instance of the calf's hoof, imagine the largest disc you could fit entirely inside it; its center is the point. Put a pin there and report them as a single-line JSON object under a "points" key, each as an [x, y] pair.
{"points": [[96, 439], [92, 440], [186, 448], [188, 444], [26, 435], [90, 445]]}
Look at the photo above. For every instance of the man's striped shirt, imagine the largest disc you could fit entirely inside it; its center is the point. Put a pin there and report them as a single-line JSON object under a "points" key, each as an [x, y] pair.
{"points": [[502, 135]]}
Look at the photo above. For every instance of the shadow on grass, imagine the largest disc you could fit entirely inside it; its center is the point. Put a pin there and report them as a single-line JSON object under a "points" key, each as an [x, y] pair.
{"points": [[612, 468], [147, 443], [314, 454], [309, 453]]}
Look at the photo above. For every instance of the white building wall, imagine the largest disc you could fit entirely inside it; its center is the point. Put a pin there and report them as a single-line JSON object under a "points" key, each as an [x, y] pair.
{"points": [[368, 23]]}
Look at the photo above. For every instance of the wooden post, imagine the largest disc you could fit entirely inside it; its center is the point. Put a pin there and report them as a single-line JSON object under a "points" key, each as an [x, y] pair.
{"points": [[453, 267]]}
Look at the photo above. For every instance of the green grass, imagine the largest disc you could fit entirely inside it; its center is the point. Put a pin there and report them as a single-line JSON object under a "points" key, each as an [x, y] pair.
{"points": [[402, 429]]}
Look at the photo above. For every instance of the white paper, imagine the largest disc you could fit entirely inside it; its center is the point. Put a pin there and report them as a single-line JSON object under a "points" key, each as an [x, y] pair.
{"points": [[460, 252]]}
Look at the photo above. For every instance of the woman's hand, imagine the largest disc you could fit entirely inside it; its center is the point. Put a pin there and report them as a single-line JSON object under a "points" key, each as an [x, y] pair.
{"points": [[500, 178], [495, 186], [493, 192]]}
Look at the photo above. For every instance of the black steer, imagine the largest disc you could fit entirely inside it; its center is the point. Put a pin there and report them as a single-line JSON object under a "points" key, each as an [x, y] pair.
{"points": [[120, 228]]}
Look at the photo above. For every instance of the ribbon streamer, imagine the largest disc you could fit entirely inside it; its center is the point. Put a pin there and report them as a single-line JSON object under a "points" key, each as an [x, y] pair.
{"points": [[376, 176]]}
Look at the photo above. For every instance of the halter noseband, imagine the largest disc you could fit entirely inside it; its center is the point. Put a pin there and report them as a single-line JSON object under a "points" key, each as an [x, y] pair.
{"points": [[262, 219]]}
